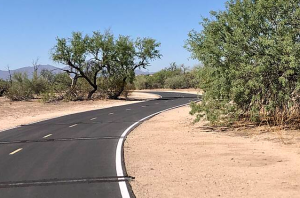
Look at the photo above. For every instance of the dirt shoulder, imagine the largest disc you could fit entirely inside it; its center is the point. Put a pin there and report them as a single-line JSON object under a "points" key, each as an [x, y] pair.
{"points": [[17, 113], [170, 157]]}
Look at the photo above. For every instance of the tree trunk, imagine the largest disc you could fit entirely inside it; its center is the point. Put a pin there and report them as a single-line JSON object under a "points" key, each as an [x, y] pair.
{"points": [[118, 93], [72, 90], [91, 93], [73, 86], [2, 92]]}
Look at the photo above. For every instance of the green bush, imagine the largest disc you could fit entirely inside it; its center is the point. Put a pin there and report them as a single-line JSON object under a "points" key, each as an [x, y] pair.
{"points": [[21, 88], [49, 96], [62, 86], [142, 82], [58, 87], [158, 79], [176, 82], [251, 62], [112, 86], [191, 78], [4, 85], [174, 77], [50, 87], [38, 84]]}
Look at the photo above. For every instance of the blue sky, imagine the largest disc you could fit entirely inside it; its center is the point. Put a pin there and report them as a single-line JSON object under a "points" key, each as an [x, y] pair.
{"points": [[28, 28]]}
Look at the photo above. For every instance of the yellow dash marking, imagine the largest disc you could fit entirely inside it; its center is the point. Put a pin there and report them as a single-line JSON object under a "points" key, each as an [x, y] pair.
{"points": [[73, 125], [47, 135], [14, 152]]}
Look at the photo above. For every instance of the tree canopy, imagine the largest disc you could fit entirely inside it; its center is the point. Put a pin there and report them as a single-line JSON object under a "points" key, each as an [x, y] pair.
{"points": [[251, 59], [104, 58]]}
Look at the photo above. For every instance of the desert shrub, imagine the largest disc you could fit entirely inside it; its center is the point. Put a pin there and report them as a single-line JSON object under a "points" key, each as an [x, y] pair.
{"points": [[140, 82], [191, 78], [182, 81], [49, 96], [158, 79], [62, 87], [57, 86], [112, 86], [38, 84], [4, 85], [24, 88], [251, 64], [60, 82], [21, 88], [170, 77], [79, 91], [176, 82], [145, 82]]}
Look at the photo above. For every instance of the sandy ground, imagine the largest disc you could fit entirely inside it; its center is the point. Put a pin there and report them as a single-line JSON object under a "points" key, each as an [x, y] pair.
{"points": [[17, 113], [171, 157]]}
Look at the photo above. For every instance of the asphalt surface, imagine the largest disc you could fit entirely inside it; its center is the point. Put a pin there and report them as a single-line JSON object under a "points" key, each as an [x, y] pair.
{"points": [[74, 155]]}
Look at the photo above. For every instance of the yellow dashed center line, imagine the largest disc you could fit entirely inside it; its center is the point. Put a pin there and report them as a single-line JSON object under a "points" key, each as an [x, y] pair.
{"points": [[47, 135], [14, 152]]}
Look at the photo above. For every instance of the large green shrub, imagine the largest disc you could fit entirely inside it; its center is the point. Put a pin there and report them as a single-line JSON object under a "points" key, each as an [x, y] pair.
{"points": [[21, 88], [141, 82], [174, 77], [251, 59], [60, 82], [58, 87], [37, 84], [159, 78], [176, 82]]}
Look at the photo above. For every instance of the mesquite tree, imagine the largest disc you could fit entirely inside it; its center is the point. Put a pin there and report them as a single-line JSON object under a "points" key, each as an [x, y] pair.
{"points": [[251, 59], [104, 56]]}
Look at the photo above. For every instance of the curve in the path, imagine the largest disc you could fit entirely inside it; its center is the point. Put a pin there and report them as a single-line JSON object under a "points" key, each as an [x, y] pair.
{"points": [[78, 155]]}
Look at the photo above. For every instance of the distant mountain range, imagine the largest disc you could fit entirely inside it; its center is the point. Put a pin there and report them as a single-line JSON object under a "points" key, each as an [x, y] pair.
{"points": [[29, 70], [140, 72]]}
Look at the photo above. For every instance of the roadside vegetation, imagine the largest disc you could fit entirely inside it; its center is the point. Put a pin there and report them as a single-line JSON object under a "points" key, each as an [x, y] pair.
{"points": [[249, 55], [97, 66], [172, 77], [100, 65], [251, 63], [3, 87]]}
